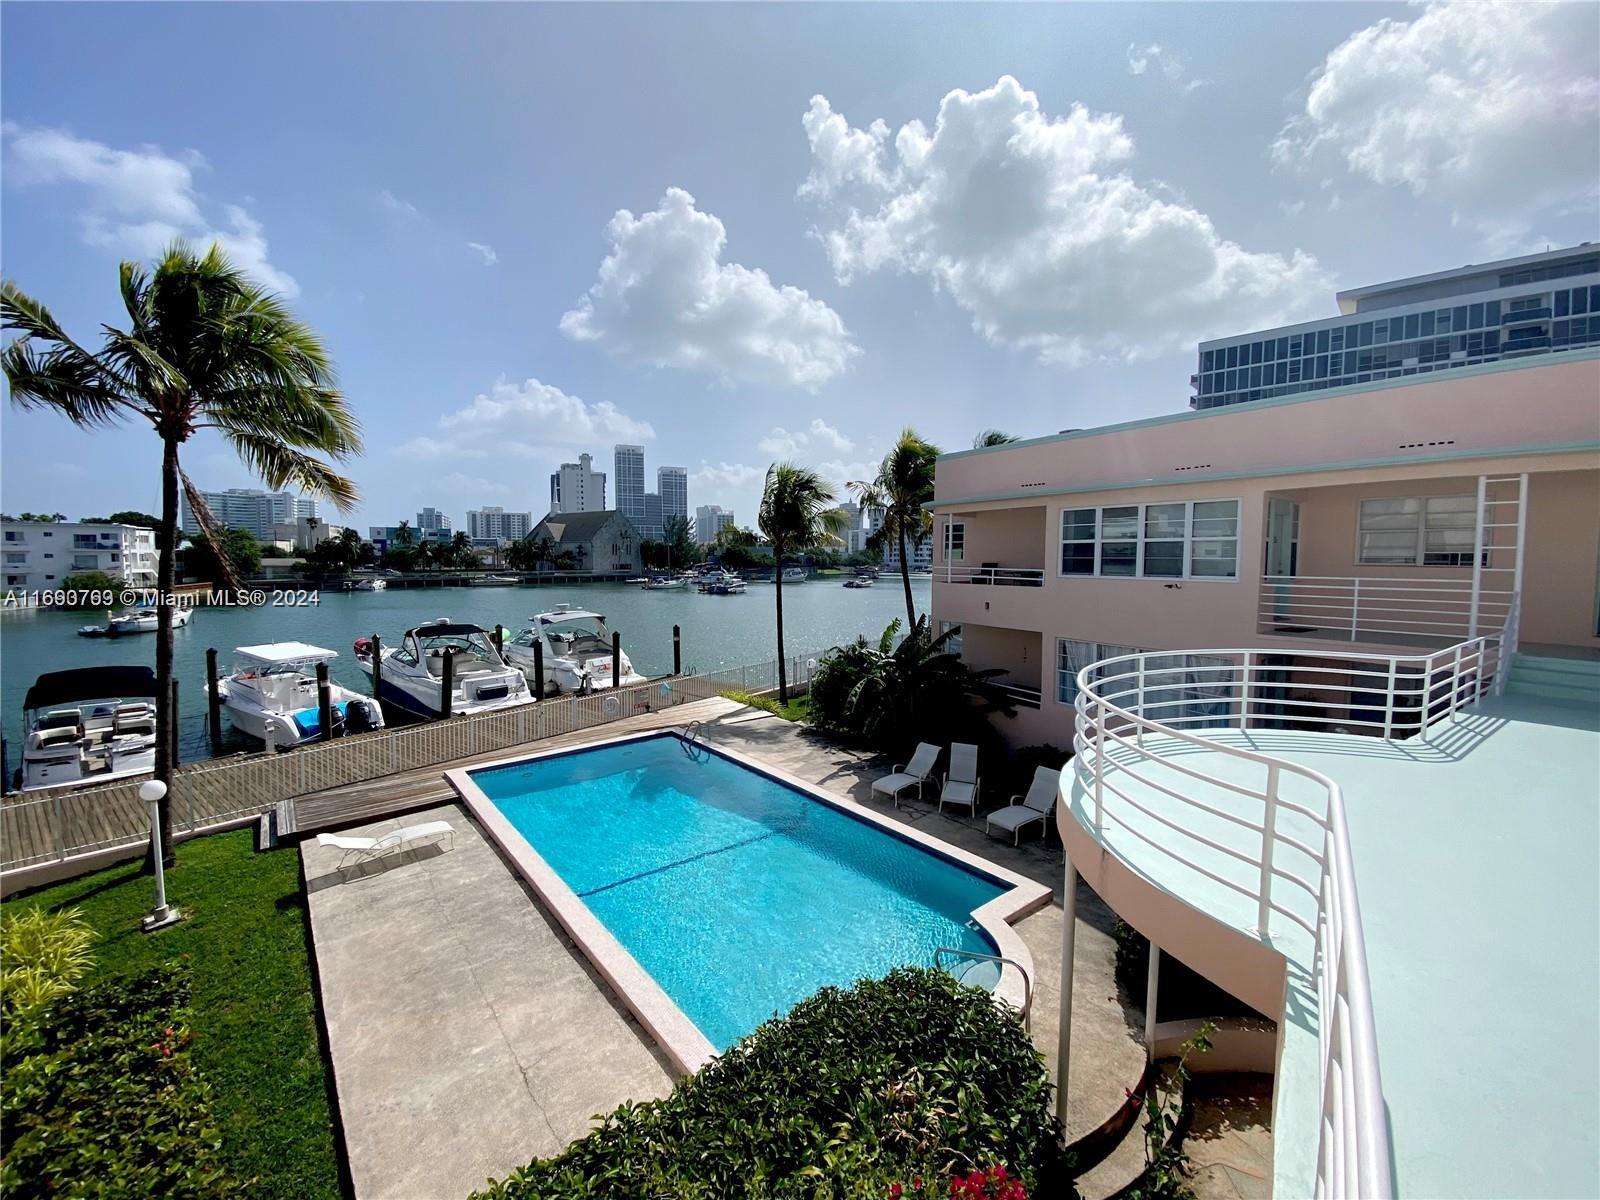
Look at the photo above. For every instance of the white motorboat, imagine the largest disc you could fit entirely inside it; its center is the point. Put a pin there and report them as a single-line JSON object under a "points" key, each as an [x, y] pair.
{"points": [[494, 581], [412, 673], [371, 585], [721, 583], [576, 651], [860, 581], [138, 620], [795, 575], [664, 584], [272, 695], [88, 726]]}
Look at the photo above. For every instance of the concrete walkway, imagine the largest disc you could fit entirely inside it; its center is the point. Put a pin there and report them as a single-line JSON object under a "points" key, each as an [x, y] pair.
{"points": [[468, 1035]]}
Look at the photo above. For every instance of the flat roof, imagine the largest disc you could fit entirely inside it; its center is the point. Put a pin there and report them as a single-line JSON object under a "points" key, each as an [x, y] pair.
{"points": [[1499, 264], [284, 652]]}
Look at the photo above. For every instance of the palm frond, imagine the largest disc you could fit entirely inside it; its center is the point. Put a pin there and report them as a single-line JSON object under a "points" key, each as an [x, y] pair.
{"points": [[214, 532], [64, 379], [281, 465]]}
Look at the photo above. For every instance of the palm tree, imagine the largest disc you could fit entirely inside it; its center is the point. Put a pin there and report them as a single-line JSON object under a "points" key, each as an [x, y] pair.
{"points": [[904, 483], [797, 514], [205, 348], [993, 437]]}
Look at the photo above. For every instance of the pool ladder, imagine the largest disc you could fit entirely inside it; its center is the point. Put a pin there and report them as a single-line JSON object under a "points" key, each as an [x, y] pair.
{"points": [[958, 952], [690, 739]]}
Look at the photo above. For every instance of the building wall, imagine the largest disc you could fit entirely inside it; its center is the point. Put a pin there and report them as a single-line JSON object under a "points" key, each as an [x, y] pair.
{"points": [[38, 556], [1015, 537], [629, 482], [1561, 564]]}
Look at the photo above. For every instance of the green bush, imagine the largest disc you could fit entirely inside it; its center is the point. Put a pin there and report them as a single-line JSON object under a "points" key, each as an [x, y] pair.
{"points": [[42, 957], [100, 1098], [904, 1077]]}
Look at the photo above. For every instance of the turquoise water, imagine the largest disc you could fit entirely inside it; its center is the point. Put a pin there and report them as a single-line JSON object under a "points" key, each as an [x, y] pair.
{"points": [[740, 895], [718, 631]]}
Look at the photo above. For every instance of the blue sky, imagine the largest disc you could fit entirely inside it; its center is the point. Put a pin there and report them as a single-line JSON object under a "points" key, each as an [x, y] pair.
{"points": [[1058, 202]]}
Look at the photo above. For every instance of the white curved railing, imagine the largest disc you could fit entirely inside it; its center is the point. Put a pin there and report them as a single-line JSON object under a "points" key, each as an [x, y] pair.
{"points": [[1192, 698]]}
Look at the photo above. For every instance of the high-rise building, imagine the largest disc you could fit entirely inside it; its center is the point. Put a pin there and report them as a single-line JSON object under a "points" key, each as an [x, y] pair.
{"points": [[577, 487], [493, 523], [653, 526], [431, 520], [709, 520], [629, 463], [1537, 304], [251, 509], [672, 484]]}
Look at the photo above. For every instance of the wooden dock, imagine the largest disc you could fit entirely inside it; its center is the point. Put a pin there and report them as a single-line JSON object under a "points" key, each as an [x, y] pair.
{"points": [[425, 787]]}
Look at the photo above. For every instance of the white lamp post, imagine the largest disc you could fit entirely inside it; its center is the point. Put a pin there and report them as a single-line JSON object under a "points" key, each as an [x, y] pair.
{"points": [[161, 916]]}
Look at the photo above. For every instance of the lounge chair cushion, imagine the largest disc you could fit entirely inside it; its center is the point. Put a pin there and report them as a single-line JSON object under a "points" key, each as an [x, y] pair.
{"points": [[899, 781], [956, 792], [1015, 817]]}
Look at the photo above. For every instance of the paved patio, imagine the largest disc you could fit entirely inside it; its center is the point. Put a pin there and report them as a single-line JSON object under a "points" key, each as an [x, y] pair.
{"points": [[468, 1035]]}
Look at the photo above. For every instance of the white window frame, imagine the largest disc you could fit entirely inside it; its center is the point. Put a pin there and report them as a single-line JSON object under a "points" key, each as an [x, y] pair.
{"points": [[1066, 690], [952, 552], [1189, 540], [1420, 547]]}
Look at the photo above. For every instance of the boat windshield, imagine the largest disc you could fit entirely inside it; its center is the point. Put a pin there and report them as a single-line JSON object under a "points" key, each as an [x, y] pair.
{"points": [[475, 644], [579, 635]]}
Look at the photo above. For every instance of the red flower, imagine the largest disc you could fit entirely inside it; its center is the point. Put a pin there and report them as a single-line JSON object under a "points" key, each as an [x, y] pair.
{"points": [[895, 1190]]}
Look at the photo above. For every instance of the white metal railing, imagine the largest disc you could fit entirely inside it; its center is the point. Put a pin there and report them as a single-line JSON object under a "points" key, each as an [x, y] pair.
{"points": [[1372, 608], [990, 573], [55, 824], [1134, 711]]}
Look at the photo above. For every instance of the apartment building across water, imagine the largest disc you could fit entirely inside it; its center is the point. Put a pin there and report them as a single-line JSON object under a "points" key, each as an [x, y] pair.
{"points": [[1334, 643]]}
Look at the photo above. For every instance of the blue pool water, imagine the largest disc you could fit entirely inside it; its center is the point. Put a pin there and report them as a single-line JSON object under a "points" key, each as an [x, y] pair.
{"points": [[740, 895]]}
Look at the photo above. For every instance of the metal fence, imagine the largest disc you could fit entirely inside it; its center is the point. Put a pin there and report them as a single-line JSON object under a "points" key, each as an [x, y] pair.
{"points": [[48, 826]]}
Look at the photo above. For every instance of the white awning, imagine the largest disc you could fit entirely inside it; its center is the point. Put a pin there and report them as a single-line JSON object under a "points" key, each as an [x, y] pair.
{"points": [[285, 652]]}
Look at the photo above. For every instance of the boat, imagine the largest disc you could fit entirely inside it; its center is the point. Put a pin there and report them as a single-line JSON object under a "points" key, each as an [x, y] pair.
{"points": [[272, 696], [664, 584], [860, 581], [138, 620], [371, 585], [794, 575], [412, 673], [88, 725], [721, 583], [576, 651], [493, 581]]}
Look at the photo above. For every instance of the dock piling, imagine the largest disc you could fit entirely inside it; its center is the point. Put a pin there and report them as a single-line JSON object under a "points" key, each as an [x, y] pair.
{"points": [[616, 659], [447, 684], [538, 668], [324, 703], [377, 669], [213, 703], [677, 650], [500, 640]]}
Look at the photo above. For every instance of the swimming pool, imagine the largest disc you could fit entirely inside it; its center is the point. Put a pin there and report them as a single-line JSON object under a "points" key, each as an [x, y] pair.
{"points": [[737, 891]]}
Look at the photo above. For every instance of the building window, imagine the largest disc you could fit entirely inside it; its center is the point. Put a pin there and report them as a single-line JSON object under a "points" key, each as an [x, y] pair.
{"points": [[955, 541], [953, 643], [1431, 531], [1197, 539], [1073, 656]]}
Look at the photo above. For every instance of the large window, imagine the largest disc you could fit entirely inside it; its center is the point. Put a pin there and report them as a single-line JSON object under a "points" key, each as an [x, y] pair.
{"points": [[1073, 656], [1195, 539], [1429, 531], [955, 541]]}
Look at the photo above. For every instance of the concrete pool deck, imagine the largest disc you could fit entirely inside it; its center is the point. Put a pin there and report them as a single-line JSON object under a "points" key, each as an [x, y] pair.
{"points": [[454, 1003]]}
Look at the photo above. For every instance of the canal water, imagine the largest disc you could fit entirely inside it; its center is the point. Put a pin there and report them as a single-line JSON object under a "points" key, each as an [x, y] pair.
{"points": [[718, 631]]}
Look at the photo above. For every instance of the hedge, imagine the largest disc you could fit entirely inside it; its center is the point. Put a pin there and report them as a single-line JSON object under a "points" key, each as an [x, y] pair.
{"points": [[897, 1082]]}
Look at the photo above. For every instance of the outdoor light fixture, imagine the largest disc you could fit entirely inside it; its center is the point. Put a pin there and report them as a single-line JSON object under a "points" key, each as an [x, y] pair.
{"points": [[160, 916]]}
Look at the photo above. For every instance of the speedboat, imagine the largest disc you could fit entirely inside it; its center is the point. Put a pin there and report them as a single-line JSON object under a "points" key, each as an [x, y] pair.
{"points": [[721, 583], [272, 695], [371, 585], [577, 651], [794, 575], [412, 674], [494, 581], [138, 620], [860, 581], [664, 584], [88, 726]]}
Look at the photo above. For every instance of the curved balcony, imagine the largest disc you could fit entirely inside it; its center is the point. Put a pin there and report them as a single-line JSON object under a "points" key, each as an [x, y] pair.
{"points": [[1190, 808]]}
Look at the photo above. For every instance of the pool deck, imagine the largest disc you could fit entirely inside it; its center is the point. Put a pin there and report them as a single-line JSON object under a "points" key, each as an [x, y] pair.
{"points": [[454, 1003], [1475, 858]]}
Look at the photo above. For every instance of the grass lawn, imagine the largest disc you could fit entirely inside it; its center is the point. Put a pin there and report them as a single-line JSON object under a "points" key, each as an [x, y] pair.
{"points": [[796, 710], [254, 1013]]}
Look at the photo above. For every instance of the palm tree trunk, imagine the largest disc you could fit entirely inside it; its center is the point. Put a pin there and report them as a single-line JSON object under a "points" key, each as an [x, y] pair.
{"points": [[783, 676], [905, 579], [166, 718]]}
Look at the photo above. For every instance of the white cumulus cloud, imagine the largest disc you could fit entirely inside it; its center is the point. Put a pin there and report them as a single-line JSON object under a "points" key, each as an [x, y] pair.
{"points": [[665, 298], [136, 202], [1169, 64], [484, 252], [1031, 224], [1487, 106], [527, 420], [784, 443]]}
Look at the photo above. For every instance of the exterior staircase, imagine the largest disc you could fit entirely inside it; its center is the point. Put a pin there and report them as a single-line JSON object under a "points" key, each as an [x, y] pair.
{"points": [[1574, 682]]}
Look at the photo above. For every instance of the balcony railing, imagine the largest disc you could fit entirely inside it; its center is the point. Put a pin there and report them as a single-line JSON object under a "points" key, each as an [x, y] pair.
{"points": [[1142, 717], [1023, 695], [1381, 609], [989, 573]]}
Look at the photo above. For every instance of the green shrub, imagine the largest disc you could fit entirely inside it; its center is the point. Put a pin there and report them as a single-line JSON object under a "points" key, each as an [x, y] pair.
{"points": [[42, 957], [908, 1076], [99, 1097], [795, 710]]}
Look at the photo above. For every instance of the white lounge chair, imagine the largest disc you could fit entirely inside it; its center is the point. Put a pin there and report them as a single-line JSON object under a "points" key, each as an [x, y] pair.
{"points": [[912, 774], [364, 849], [961, 781], [1037, 805]]}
